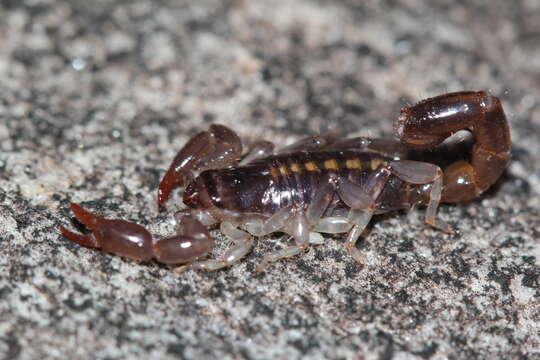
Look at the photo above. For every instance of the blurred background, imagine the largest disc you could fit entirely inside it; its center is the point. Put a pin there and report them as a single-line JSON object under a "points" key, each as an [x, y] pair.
{"points": [[96, 97]]}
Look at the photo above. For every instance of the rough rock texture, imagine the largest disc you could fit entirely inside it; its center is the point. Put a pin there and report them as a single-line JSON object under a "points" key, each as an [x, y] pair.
{"points": [[97, 96]]}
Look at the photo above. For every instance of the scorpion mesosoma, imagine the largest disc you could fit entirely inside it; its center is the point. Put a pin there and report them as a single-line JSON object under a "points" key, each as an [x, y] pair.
{"points": [[318, 185]]}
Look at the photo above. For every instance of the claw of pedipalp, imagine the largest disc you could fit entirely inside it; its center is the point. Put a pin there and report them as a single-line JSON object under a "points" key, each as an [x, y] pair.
{"points": [[84, 240], [170, 181], [87, 218], [115, 236]]}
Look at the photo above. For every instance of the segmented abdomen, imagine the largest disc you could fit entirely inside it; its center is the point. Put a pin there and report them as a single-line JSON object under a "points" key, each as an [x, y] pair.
{"points": [[269, 184], [297, 176]]}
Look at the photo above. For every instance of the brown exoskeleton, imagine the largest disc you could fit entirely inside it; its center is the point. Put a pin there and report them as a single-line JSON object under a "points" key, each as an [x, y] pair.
{"points": [[319, 184]]}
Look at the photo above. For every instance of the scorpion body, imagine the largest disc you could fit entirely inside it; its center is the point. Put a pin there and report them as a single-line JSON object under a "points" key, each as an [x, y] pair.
{"points": [[267, 185], [318, 185]]}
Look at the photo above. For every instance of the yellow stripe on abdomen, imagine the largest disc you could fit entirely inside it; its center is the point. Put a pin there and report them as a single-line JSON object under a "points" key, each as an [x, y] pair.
{"points": [[311, 166], [374, 163], [296, 168], [331, 164], [355, 164]]}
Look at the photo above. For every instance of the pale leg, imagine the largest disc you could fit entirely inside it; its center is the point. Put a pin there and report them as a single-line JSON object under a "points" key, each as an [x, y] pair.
{"points": [[360, 219], [416, 172], [298, 226], [361, 200], [258, 150], [242, 245]]}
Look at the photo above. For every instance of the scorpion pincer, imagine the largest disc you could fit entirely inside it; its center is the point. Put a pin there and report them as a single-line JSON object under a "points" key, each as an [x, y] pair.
{"points": [[320, 184]]}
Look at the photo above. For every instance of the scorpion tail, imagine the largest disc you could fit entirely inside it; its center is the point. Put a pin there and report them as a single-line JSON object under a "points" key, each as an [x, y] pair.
{"points": [[430, 122]]}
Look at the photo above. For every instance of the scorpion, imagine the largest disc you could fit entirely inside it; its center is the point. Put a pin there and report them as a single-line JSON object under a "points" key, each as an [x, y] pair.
{"points": [[320, 184]]}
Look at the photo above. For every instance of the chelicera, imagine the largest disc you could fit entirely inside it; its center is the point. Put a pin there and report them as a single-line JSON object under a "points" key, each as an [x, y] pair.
{"points": [[320, 184]]}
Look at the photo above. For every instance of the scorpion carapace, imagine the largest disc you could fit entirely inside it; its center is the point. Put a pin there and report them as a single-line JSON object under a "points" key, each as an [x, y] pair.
{"points": [[320, 184]]}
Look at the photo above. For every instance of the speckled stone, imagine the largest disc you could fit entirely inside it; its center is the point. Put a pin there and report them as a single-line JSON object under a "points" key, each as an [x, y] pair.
{"points": [[97, 96]]}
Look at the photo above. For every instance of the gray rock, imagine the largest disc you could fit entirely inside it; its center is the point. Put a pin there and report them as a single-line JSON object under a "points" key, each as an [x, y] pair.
{"points": [[96, 98]]}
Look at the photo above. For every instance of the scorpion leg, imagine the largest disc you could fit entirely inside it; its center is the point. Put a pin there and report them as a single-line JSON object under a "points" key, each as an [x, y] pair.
{"points": [[360, 219], [243, 244], [416, 172], [279, 221], [386, 147], [322, 198], [276, 222], [204, 217], [258, 150], [333, 225], [327, 137], [412, 214], [277, 255], [361, 200], [320, 202], [265, 148], [428, 123], [216, 148], [306, 144], [299, 227], [299, 223]]}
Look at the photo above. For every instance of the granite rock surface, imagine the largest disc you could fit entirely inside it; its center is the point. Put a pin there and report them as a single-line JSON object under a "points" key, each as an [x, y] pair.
{"points": [[97, 96]]}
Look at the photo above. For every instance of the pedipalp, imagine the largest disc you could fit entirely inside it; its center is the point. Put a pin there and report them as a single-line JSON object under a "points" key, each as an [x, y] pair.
{"points": [[133, 241], [216, 148]]}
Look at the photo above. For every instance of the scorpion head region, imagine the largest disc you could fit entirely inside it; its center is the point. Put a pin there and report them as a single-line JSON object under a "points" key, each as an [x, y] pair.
{"points": [[196, 195]]}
